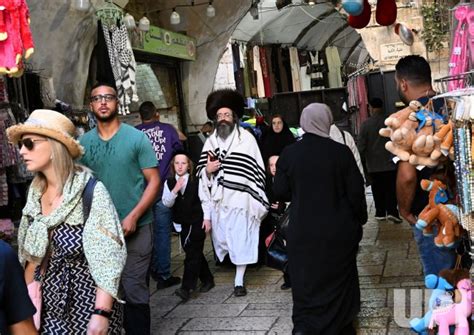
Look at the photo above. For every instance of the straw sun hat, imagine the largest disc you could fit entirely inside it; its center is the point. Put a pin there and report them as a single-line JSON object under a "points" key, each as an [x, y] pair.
{"points": [[50, 124]]}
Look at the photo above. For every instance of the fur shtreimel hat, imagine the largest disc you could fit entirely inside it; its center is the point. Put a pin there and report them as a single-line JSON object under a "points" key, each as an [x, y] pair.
{"points": [[50, 124], [224, 98]]}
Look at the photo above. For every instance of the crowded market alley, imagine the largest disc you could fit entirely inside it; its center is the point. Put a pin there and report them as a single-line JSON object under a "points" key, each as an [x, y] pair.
{"points": [[387, 261]]}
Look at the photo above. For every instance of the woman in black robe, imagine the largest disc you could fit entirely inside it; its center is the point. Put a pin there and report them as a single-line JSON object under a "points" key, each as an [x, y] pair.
{"points": [[328, 210], [276, 137]]}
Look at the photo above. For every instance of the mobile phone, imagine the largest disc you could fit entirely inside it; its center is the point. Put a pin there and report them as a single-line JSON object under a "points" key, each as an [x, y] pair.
{"points": [[212, 155]]}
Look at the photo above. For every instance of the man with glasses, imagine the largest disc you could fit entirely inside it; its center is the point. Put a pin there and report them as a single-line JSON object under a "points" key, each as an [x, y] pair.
{"points": [[232, 184], [123, 159]]}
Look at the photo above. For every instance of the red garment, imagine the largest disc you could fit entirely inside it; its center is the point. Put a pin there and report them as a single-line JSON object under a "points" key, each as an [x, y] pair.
{"points": [[265, 72], [15, 36], [362, 97]]}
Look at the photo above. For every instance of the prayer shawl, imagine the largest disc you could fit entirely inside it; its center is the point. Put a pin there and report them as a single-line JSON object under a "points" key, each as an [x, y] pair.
{"points": [[242, 172], [234, 199], [103, 241]]}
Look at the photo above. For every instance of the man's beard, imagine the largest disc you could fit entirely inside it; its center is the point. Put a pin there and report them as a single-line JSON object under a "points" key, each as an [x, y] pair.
{"points": [[106, 118], [224, 129], [401, 96]]}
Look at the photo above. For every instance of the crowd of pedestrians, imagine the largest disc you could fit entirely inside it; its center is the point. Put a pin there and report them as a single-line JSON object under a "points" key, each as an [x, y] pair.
{"points": [[100, 210]]}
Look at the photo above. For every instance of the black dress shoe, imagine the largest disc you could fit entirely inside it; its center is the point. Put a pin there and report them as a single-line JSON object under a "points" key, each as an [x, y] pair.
{"points": [[182, 293], [240, 291], [164, 283], [206, 287], [285, 286]]}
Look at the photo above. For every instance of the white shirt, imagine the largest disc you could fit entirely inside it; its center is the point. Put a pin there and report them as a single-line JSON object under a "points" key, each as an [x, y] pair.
{"points": [[168, 198]]}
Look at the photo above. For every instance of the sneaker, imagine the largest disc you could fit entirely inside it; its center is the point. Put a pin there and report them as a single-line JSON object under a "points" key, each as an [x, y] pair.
{"points": [[164, 283], [394, 219], [206, 287], [380, 218], [240, 291], [182, 293]]}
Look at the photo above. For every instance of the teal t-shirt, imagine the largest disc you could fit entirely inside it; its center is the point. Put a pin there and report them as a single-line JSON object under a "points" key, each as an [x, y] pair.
{"points": [[118, 163]]}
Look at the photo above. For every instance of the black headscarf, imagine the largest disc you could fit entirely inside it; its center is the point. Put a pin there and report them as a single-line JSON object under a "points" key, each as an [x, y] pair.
{"points": [[273, 143]]}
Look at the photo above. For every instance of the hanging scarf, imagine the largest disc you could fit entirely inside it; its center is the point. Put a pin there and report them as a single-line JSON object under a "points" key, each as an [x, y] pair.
{"points": [[33, 235]]}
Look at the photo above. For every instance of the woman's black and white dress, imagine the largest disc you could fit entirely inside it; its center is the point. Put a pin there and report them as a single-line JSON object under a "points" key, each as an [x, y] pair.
{"points": [[68, 288]]}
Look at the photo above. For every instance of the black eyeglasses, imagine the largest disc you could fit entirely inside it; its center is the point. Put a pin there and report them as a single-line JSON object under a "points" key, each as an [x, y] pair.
{"points": [[106, 97], [29, 143]]}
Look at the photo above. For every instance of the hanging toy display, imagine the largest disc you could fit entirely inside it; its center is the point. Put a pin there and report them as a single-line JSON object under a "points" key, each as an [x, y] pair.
{"points": [[385, 14], [16, 41], [362, 20], [353, 7]]}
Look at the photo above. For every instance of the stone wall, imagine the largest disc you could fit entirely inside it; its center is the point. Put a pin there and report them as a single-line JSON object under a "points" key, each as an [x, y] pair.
{"points": [[382, 41], [64, 40]]}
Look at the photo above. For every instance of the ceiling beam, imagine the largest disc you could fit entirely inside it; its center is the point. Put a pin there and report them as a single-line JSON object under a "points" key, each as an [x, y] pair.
{"points": [[306, 29]]}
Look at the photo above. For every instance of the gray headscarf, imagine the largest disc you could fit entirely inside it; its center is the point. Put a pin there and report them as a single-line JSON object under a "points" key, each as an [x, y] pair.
{"points": [[316, 119]]}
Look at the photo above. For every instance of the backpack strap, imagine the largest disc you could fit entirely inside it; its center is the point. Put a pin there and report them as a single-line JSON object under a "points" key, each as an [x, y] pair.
{"points": [[87, 196]]}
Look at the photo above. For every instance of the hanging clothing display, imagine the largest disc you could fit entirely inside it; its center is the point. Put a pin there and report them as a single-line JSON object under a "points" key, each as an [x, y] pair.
{"points": [[265, 72], [245, 70], [257, 67], [295, 69], [252, 73], [459, 60], [238, 71], [16, 41], [305, 64], [271, 72], [123, 64], [334, 66]]}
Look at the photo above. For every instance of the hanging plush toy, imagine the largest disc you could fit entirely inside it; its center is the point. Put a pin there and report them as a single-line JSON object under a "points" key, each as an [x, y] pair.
{"points": [[385, 14], [439, 297], [438, 210], [16, 41], [458, 313]]}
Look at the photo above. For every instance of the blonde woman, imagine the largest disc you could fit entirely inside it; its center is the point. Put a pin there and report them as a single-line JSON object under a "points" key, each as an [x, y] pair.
{"points": [[77, 255]]}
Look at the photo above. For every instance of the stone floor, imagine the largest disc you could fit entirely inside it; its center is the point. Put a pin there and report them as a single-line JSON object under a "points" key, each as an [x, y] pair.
{"points": [[388, 267]]}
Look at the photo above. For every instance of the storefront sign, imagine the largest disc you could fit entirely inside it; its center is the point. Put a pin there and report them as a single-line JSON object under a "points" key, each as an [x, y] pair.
{"points": [[165, 42], [392, 52]]}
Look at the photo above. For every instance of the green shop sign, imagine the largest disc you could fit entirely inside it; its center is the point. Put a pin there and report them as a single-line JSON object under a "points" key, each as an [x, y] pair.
{"points": [[164, 42]]}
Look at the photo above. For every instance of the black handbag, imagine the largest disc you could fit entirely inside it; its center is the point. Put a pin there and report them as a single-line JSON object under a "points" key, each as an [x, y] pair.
{"points": [[277, 256]]}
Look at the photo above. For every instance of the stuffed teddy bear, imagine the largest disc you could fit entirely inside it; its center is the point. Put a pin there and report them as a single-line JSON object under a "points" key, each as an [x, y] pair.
{"points": [[16, 40], [439, 295], [401, 129], [437, 209]]}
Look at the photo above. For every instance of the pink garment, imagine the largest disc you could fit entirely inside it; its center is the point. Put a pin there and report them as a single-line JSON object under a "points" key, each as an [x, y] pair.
{"points": [[363, 113], [459, 61]]}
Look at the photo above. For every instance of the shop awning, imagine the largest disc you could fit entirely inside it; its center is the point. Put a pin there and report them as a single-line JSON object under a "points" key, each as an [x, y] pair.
{"points": [[306, 27]]}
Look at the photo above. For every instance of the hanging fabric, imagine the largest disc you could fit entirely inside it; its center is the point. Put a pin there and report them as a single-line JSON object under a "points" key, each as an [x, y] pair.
{"points": [[122, 62], [238, 72], [285, 70], [265, 72], [334, 66], [271, 73], [459, 60], [305, 64], [295, 69], [258, 69], [246, 69]]}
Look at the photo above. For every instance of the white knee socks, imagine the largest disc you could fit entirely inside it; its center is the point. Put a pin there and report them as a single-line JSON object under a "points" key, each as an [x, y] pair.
{"points": [[239, 275]]}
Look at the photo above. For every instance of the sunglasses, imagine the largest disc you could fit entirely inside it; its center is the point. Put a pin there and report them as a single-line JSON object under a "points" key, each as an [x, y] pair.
{"points": [[29, 143], [106, 97]]}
